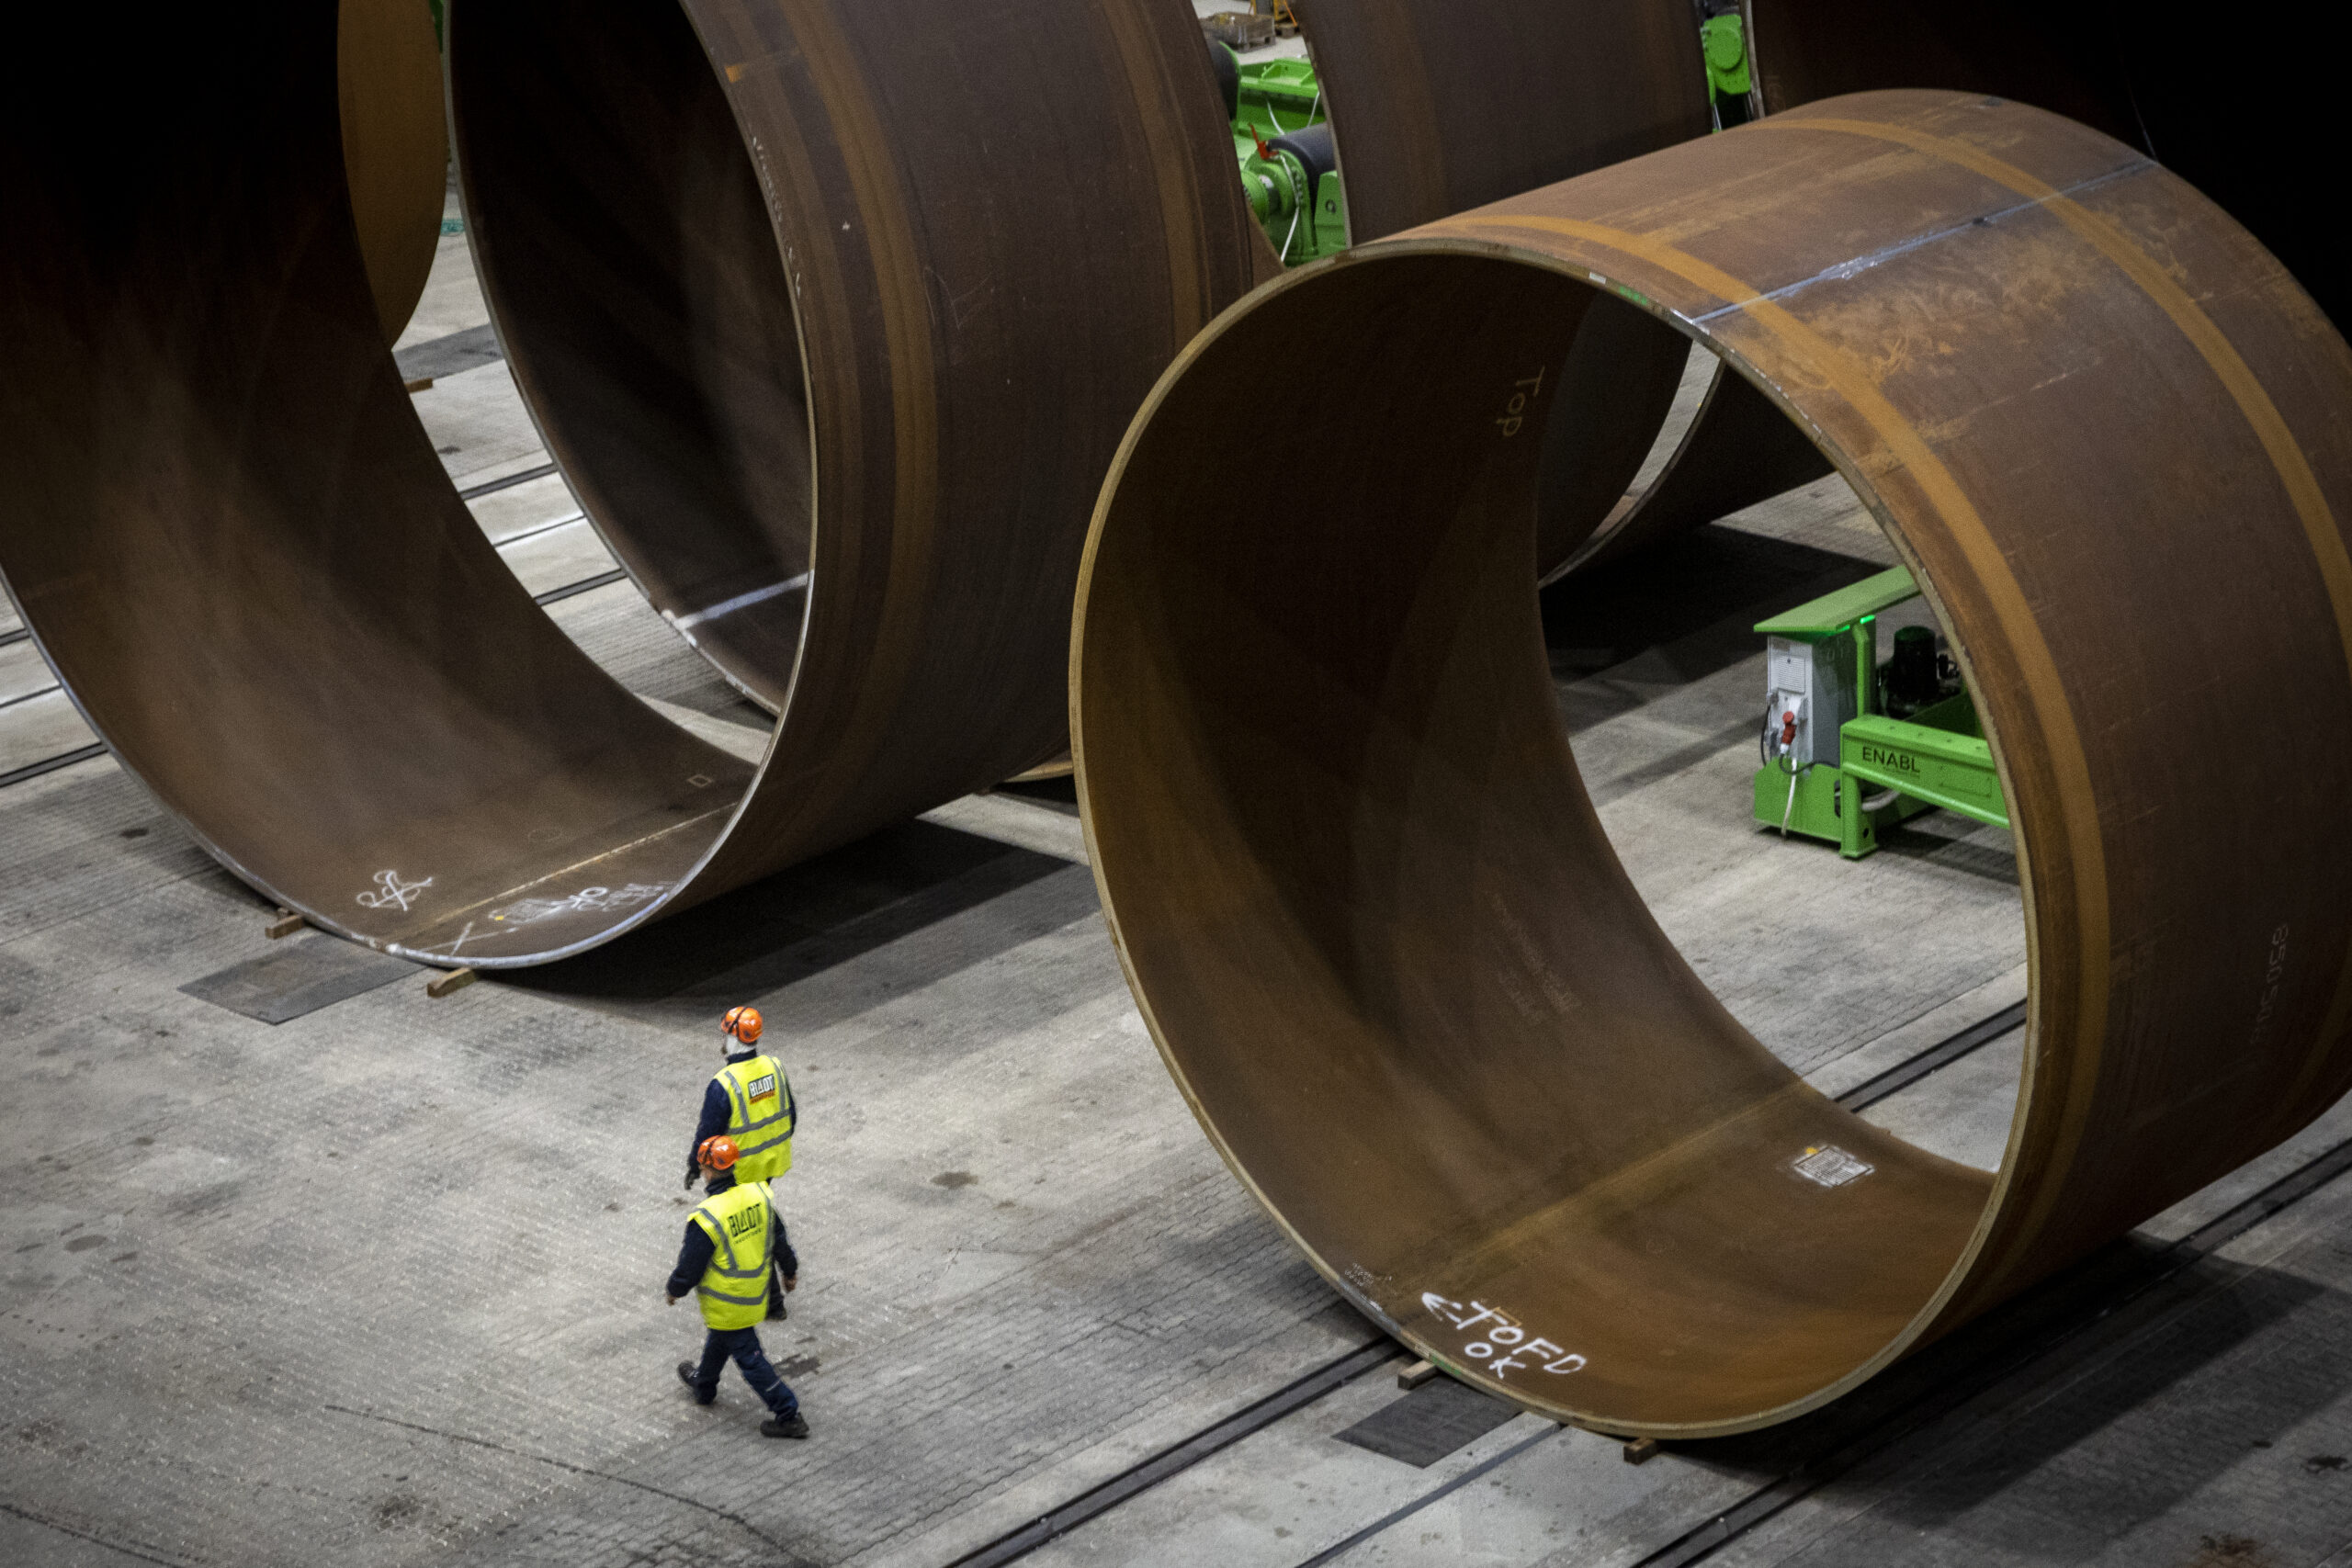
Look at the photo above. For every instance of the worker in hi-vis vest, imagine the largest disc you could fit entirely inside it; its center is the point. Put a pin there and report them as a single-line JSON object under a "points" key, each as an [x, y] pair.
{"points": [[733, 1238], [749, 1100]]}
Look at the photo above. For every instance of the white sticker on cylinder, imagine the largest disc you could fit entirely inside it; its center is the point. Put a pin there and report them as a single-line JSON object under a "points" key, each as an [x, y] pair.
{"points": [[1830, 1166]]}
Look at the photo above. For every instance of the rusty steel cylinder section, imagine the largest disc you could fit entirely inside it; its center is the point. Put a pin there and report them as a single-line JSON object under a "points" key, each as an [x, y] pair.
{"points": [[233, 541], [1439, 108], [2203, 100], [1372, 917], [843, 306], [2207, 99]]}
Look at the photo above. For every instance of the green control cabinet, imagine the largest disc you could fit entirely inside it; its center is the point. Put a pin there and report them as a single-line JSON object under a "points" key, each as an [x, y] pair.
{"points": [[1851, 747]]}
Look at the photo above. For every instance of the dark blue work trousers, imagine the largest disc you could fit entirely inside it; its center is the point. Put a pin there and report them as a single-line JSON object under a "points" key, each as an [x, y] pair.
{"points": [[743, 1345]]}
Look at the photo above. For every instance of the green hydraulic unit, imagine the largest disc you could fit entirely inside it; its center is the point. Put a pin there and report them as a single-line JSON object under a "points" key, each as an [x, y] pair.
{"points": [[1723, 41], [1281, 141], [1852, 747], [1290, 169]]}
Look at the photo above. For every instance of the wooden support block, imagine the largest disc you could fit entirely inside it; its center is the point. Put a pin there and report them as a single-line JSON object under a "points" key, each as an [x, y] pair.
{"points": [[456, 979], [287, 924], [1641, 1451], [419, 384], [1416, 1375]]}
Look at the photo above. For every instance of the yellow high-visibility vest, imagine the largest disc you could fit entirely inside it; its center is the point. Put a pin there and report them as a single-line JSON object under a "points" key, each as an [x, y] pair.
{"points": [[759, 1117], [741, 1227]]}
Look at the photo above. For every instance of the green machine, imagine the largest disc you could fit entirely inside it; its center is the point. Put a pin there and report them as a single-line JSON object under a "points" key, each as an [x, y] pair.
{"points": [[1851, 745], [1722, 42], [1281, 141], [1290, 168]]}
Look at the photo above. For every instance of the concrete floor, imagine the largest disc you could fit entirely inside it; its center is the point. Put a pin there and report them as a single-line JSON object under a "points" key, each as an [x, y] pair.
{"points": [[381, 1285]]}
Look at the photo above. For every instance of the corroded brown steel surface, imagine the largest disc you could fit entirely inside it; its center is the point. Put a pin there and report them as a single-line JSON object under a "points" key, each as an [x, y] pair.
{"points": [[991, 271], [1372, 919], [234, 542], [395, 146], [1440, 107], [2215, 100], [2204, 100]]}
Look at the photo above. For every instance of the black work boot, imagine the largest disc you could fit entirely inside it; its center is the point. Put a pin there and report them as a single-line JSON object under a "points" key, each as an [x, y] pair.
{"points": [[686, 1376], [790, 1426]]}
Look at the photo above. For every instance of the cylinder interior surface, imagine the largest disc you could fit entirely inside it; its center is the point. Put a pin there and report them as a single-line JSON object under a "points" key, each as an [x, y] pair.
{"points": [[1440, 109], [1366, 904], [630, 259]]}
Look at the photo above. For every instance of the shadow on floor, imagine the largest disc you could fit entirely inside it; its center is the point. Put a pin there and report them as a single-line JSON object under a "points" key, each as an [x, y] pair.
{"points": [[1942, 839], [1059, 795], [2089, 1352], [807, 917]]}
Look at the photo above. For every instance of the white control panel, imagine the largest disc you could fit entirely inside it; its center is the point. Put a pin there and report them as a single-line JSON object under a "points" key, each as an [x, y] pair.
{"points": [[1809, 695]]}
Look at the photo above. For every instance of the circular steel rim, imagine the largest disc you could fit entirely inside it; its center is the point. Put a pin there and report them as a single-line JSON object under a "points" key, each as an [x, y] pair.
{"points": [[1119, 826]]}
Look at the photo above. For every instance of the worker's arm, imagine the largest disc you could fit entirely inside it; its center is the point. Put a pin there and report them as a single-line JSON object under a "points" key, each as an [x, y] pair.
{"points": [[713, 1122], [694, 1261]]}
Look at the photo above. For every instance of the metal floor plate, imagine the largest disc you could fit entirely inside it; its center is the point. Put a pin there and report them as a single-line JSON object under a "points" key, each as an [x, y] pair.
{"points": [[307, 973], [1430, 1423]]}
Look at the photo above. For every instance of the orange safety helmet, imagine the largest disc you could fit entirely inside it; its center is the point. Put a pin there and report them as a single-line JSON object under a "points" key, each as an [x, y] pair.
{"points": [[743, 1023], [717, 1153]]}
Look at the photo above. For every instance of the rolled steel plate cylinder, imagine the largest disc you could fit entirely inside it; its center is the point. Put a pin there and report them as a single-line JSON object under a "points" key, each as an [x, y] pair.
{"points": [[234, 543], [863, 273], [1371, 915]]}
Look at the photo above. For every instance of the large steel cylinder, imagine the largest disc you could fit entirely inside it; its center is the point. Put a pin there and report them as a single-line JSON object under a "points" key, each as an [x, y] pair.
{"points": [[871, 274], [234, 543], [1371, 915]]}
